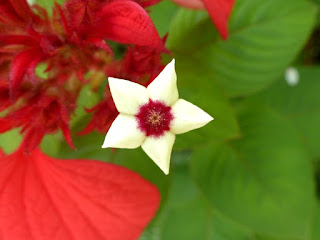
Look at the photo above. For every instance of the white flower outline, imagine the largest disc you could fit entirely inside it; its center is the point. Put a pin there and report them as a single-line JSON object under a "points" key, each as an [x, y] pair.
{"points": [[129, 97]]}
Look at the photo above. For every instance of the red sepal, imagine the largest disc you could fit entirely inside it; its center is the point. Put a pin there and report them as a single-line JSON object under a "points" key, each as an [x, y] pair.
{"points": [[99, 42], [20, 65], [43, 198], [126, 22]]}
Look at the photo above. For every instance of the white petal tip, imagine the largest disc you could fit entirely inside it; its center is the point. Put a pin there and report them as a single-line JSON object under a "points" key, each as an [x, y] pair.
{"points": [[210, 118], [165, 170]]}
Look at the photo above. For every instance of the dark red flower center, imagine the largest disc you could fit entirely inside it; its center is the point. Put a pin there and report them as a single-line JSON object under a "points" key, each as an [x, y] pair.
{"points": [[154, 118]]}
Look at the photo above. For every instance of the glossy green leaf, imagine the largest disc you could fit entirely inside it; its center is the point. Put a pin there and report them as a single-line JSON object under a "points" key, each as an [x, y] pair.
{"points": [[265, 36], [263, 180], [188, 216], [162, 15], [196, 85], [300, 103]]}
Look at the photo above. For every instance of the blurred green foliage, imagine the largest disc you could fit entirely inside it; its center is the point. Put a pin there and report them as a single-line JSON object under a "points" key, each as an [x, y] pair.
{"points": [[253, 172]]}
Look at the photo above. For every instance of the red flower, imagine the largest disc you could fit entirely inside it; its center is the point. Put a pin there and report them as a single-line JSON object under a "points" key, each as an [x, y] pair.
{"points": [[40, 114], [219, 11], [48, 199], [69, 41]]}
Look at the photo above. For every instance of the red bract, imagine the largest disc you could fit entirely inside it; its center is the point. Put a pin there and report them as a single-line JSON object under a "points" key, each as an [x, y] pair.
{"points": [[48, 199], [140, 64], [125, 21], [219, 11]]}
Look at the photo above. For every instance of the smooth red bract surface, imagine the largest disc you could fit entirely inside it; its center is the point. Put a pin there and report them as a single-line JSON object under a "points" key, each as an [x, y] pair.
{"points": [[42, 198], [154, 118]]}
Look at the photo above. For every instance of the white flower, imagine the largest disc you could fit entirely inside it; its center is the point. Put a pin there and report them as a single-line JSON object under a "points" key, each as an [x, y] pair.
{"points": [[151, 117]]}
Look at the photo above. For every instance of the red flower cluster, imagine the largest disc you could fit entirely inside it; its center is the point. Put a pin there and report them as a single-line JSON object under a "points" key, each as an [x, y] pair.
{"points": [[71, 43], [43, 198]]}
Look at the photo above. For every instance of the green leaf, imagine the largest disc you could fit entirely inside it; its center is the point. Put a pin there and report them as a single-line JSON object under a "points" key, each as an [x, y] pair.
{"points": [[188, 216], [47, 4], [264, 180], [86, 100], [9, 141], [315, 228], [196, 85], [265, 36], [162, 15], [300, 104]]}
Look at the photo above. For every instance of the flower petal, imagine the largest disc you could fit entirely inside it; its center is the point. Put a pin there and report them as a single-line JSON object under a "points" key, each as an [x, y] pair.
{"points": [[164, 87], [127, 96], [159, 150], [219, 11], [125, 22], [124, 133], [45, 198], [187, 117]]}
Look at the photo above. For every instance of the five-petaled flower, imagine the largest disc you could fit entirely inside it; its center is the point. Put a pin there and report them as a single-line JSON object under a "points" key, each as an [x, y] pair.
{"points": [[151, 117]]}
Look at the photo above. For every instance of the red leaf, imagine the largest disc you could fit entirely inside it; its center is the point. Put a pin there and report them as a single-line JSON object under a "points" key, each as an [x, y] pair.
{"points": [[20, 65], [219, 11], [126, 22], [42, 198]]}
